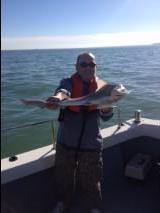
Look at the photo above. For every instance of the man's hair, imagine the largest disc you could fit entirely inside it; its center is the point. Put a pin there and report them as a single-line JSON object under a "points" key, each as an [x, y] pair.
{"points": [[83, 54]]}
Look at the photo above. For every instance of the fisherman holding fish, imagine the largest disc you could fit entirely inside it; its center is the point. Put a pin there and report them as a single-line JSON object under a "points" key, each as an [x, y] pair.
{"points": [[83, 99], [79, 142]]}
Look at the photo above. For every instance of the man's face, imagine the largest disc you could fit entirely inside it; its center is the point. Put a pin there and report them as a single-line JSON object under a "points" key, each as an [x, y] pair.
{"points": [[86, 67]]}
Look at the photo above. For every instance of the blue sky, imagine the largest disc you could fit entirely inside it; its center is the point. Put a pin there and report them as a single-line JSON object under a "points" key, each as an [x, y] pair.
{"points": [[38, 23]]}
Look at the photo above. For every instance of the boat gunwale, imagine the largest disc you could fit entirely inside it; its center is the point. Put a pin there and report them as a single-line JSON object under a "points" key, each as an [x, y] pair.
{"points": [[43, 158]]}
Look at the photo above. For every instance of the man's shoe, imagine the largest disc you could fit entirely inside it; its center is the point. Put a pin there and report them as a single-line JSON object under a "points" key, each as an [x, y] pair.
{"points": [[59, 208], [95, 211]]}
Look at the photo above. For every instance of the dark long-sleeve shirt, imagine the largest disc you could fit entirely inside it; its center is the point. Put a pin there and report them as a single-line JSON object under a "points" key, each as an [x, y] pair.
{"points": [[72, 123]]}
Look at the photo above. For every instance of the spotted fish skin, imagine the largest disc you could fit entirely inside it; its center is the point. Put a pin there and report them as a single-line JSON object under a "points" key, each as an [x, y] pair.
{"points": [[102, 98]]}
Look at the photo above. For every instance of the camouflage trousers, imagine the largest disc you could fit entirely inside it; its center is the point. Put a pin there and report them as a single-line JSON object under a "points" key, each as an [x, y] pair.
{"points": [[86, 172]]}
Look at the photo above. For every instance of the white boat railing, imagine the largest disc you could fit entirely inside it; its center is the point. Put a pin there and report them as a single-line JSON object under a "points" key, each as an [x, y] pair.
{"points": [[51, 121], [26, 125], [54, 124], [119, 122]]}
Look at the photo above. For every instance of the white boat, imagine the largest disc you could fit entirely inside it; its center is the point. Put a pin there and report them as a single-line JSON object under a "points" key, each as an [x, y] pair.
{"points": [[131, 180]]}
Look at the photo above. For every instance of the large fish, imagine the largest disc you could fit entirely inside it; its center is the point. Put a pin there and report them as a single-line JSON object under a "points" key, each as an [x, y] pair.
{"points": [[101, 98]]}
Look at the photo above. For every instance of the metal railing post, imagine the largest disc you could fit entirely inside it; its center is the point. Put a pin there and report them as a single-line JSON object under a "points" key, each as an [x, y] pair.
{"points": [[119, 117], [53, 134]]}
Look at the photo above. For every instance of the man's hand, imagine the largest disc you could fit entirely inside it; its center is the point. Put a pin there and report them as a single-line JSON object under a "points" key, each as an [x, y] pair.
{"points": [[106, 113], [52, 102], [106, 109]]}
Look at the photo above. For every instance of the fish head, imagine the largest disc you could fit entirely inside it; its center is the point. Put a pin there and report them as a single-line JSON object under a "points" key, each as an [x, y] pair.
{"points": [[119, 92], [121, 89]]}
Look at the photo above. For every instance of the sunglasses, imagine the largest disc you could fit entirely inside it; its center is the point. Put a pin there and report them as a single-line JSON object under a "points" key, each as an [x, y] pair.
{"points": [[84, 64]]}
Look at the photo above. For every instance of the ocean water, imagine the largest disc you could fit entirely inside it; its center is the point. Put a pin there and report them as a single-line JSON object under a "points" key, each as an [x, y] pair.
{"points": [[36, 74]]}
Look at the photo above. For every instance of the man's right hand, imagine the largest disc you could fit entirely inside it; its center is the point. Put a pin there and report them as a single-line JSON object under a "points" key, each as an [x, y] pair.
{"points": [[52, 102]]}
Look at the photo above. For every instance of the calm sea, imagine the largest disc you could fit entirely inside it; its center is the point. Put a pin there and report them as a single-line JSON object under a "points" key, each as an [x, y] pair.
{"points": [[36, 73]]}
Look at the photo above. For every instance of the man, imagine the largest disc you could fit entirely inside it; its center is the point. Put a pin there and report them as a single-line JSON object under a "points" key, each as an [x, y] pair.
{"points": [[79, 142]]}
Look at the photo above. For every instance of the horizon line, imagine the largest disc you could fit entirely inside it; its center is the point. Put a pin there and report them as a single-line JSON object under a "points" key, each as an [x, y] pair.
{"points": [[91, 47], [80, 41]]}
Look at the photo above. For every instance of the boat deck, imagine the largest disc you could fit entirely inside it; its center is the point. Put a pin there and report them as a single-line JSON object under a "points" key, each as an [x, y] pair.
{"points": [[35, 193]]}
